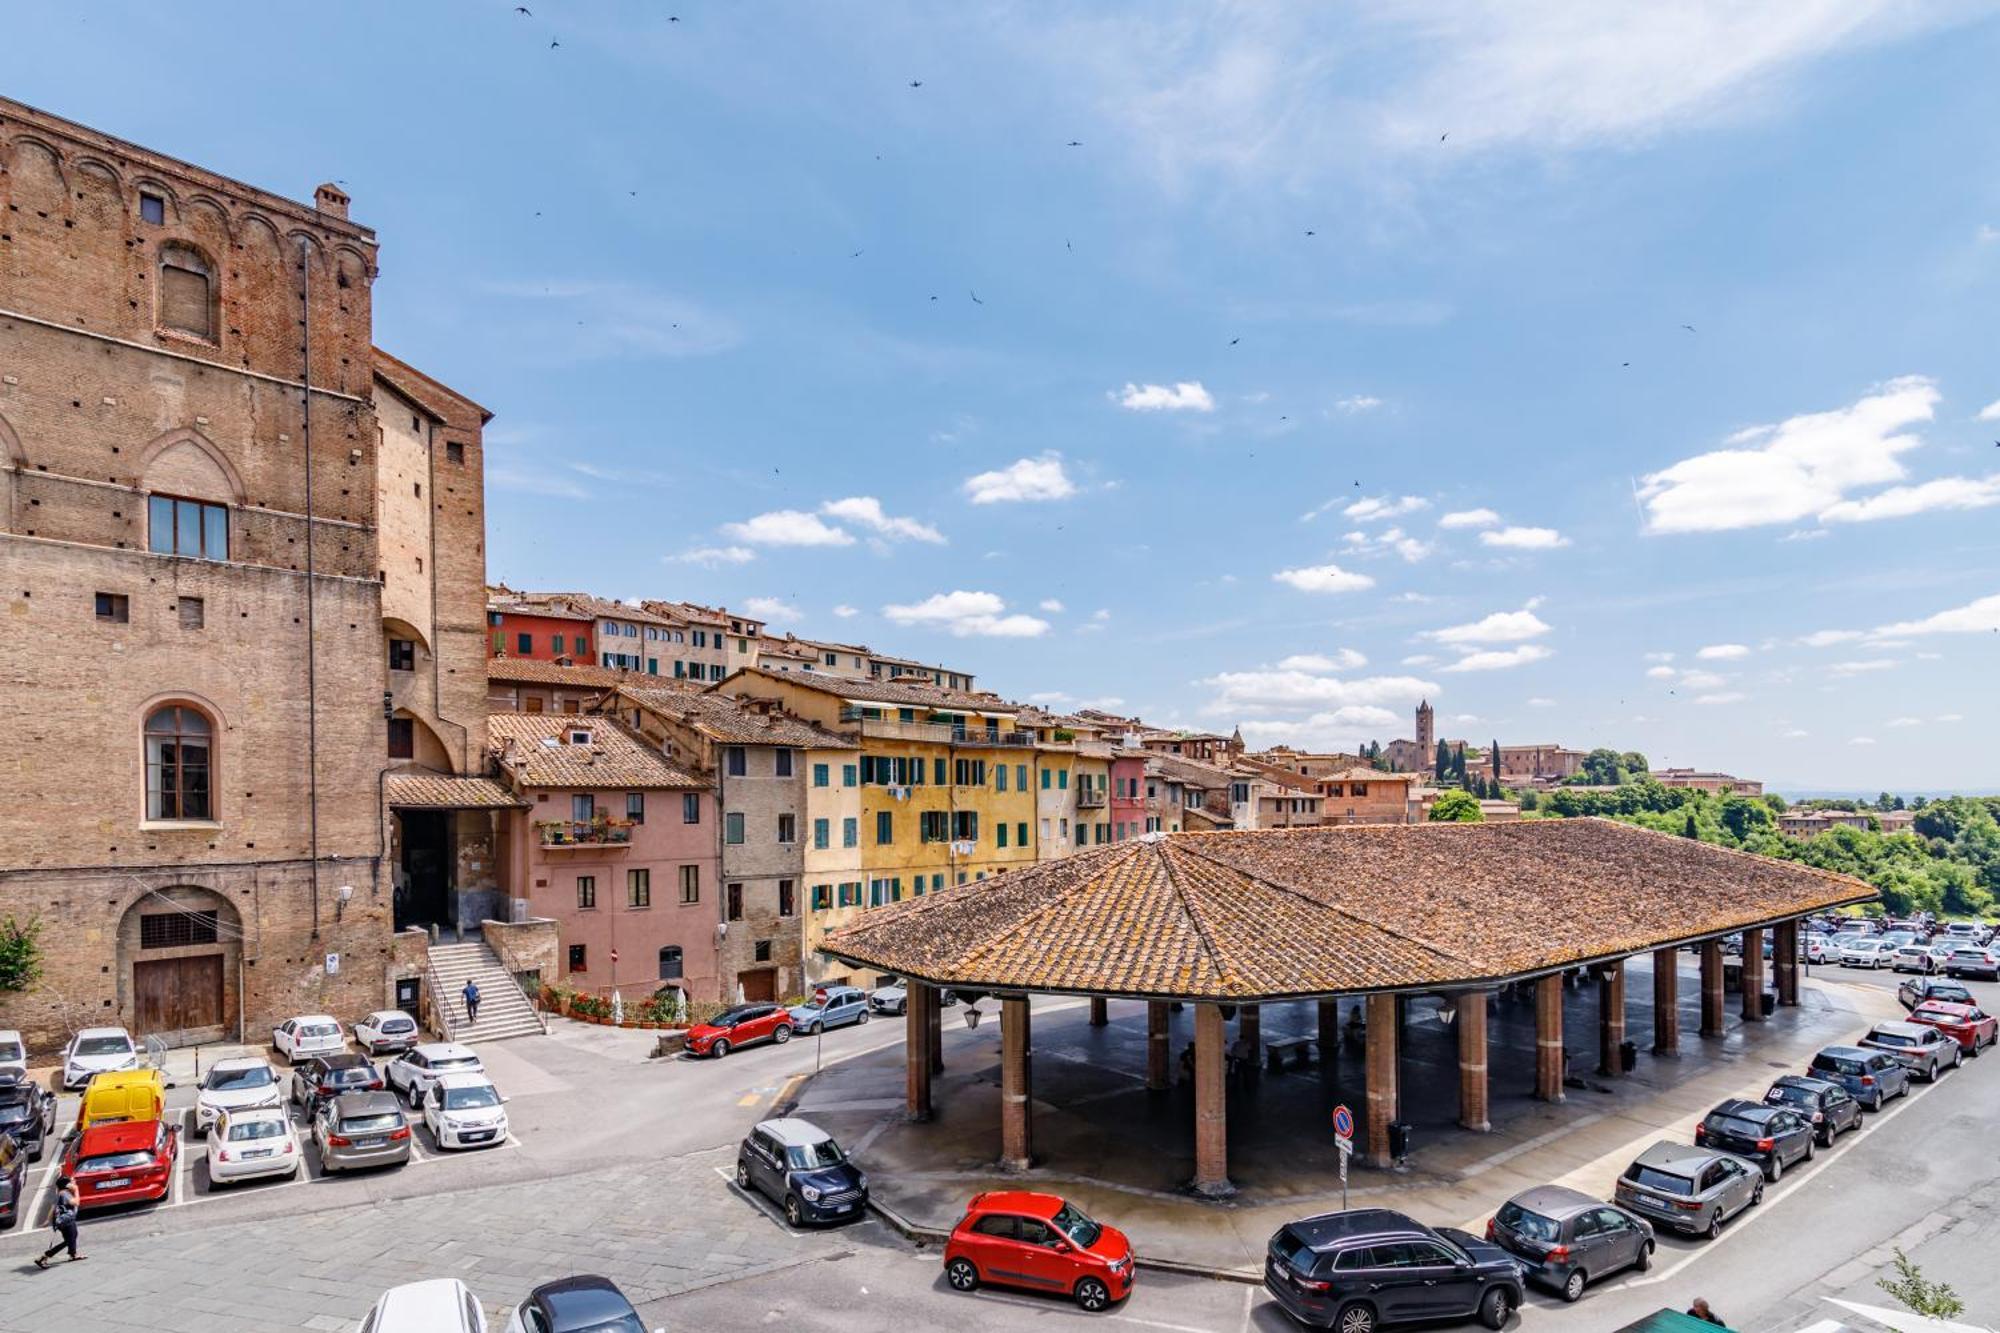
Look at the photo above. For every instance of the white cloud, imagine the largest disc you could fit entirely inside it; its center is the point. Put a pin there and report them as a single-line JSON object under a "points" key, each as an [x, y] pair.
{"points": [[1990, 412], [1978, 617], [1723, 652], [1273, 691], [866, 511], [1371, 507], [967, 615], [1323, 578], [1469, 518], [1903, 501], [1334, 729], [1051, 605], [1795, 734], [1986, 235], [1861, 667], [1040, 478], [1388, 540], [1524, 539], [1499, 660], [1049, 697], [1906, 722], [770, 608], [1827, 638], [1342, 659], [846, 612], [788, 527], [711, 557], [1185, 396], [1661, 672], [1725, 697], [1798, 468], [1949, 717], [1499, 627], [1101, 613], [1465, 717], [1357, 404], [1539, 702], [1420, 659], [1702, 680], [1805, 535], [1862, 740]]}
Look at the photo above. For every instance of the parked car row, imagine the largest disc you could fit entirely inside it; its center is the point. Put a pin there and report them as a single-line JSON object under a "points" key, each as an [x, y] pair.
{"points": [[582, 1303], [380, 1033]]}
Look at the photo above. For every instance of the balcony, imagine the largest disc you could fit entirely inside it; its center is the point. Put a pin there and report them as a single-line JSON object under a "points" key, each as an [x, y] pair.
{"points": [[936, 733], [567, 833], [1089, 798]]}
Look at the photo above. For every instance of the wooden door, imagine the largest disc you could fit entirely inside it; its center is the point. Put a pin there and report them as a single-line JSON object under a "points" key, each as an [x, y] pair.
{"points": [[175, 994], [760, 985]]}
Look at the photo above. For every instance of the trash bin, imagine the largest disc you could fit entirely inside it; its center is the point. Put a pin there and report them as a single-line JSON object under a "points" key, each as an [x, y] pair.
{"points": [[1399, 1139], [1628, 1056]]}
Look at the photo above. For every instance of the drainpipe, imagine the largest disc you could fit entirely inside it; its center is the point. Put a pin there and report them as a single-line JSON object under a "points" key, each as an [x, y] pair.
{"points": [[312, 665]]}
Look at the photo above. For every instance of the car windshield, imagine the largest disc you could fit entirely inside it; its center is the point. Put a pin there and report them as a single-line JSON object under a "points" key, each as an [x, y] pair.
{"points": [[1522, 1222], [624, 1323], [1835, 1064], [1956, 994], [1891, 1039], [11, 1050], [1071, 1221], [470, 1099], [1663, 1182], [354, 1074], [1931, 1013], [117, 1161], [268, 1127], [813, 1156], [372, 1124], [451, 1062], [318, 1030], [104, 1046], [239, 1080], [395, 1025], [15, 1113], [1792, 1096], [1295, 1252], [1734, 1124]]}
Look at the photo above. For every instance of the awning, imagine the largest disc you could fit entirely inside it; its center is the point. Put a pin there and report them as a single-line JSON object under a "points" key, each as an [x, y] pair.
{"points": [[440, 791]]}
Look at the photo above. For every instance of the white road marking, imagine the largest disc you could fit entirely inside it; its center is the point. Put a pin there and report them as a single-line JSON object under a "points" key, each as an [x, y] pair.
{"points": [[758, 1202]]}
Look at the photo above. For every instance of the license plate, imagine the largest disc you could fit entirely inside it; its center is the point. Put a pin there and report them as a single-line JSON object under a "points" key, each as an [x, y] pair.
{"points": [[118, 1184], [369, 1143], [258, 1152], [844, 1208], [477, 1136]]}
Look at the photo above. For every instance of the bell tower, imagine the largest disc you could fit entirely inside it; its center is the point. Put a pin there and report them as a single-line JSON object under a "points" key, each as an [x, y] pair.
{"points": [[1426, 736]]}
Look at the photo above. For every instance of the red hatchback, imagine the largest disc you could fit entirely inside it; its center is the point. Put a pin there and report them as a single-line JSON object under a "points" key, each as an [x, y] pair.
{"points": [[1040, 1242], [740, 1026], [1971, 1025], [126, 1162]]}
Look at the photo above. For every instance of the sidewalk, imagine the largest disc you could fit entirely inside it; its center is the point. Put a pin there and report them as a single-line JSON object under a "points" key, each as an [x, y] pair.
{"points": [[1123, 1153]]}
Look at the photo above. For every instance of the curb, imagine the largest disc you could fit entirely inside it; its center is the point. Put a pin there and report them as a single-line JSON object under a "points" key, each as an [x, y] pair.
{"points": [[925, 1235]]}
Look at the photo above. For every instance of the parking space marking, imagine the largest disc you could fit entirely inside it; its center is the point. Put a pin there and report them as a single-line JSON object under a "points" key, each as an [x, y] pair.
{"points": [[749, 1099], [759, 1202]]}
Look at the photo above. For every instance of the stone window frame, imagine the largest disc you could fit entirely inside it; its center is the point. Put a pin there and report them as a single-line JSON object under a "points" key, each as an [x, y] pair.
{"points": [[153, 709], [206, 268]]}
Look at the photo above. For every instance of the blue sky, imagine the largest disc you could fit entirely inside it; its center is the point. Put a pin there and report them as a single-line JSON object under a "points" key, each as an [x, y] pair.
{"points": [[1206, 279]]}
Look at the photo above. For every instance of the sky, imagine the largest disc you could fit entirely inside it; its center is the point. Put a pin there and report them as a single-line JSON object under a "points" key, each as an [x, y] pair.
{"points": [[1608, 375]]}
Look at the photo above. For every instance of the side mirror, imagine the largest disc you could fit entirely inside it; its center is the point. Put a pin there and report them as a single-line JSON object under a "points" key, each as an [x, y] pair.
{"points": [[1061, 1247]]}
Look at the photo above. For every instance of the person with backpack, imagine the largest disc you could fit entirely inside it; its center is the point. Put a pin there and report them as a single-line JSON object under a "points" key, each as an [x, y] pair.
{"points": [[63, 1220], [471, 994]]}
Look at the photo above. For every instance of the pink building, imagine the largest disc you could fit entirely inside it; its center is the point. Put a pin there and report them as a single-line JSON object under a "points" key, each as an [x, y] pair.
{"points": [[1128, 793], [618, 847]]}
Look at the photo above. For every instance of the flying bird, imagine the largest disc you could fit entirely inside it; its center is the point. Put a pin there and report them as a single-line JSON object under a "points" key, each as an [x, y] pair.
{"points": [[554, 44], [857, 254], [1074, 143], [934, 298], [1688, 327], [916, 83], [1311, 232], [975, 296], [523, 9], [1234, 341], [1444, 136]]}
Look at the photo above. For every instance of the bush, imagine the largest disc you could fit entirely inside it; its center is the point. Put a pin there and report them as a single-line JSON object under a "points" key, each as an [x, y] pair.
{"points": [[1457, 807], [20, 955]]}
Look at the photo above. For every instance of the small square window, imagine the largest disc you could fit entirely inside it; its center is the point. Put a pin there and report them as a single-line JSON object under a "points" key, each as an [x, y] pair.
{"points": [[579, 958], [454, 452], [761, 952], [114, 607], [152, 208], [402, 655], [194, 613]]}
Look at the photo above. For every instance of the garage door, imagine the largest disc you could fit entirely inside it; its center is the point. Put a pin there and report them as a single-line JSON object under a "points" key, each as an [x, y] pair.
{"points": [[759, 984], [174, 994]]}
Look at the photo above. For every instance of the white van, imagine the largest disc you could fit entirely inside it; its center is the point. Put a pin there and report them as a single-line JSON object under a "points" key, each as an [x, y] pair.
{"points": [[440, 1305]]}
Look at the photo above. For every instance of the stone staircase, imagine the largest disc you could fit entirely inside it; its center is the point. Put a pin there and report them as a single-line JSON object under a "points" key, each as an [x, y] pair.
{"points": [[504, 1010]]}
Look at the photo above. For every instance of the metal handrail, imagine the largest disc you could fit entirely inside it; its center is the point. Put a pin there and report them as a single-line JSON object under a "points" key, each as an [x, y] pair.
{"points": [[439, 1010]]}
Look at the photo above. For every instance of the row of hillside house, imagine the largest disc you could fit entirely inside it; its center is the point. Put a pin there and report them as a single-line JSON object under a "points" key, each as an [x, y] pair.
{"points": [[1812, 823], [267, 536], [1723, 783]]}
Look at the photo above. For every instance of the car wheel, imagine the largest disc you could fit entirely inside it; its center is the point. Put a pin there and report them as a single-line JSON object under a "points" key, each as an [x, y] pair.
{"points": [[810, 1029], [1715, 1224], [1092, 1295], [1355, 1319], [1572, 1288], [962, 1275], [1757, 1195], [742, 1174], [1975, 1048], [794, 1214], [783, 1034], [1811, 1148], [1876, 1105], [1644, 1262], [720, 1049], [863, 1018], [1774, 1168], [1496, 1308], [413, 1097]]}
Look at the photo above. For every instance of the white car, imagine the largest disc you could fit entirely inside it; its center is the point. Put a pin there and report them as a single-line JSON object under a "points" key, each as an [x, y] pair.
{"points": [[1818, 948], [413, 1072], [252, 1142], [97, 1051], [1870, 953], [308, 1035], [13, 1057], [387, 1030], [235, 1085], [436, 1305], [893, 999], [465, 1111]]}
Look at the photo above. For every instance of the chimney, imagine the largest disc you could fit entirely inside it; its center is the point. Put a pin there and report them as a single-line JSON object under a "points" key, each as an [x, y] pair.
{"points": [[331, 200]]}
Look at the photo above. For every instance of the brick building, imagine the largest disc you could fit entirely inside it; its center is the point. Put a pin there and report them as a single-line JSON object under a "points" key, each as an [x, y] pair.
{"points": [[240, 553]]}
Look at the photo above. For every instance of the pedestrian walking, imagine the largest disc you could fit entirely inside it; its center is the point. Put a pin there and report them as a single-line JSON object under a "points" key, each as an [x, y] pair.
{"points": [[1699, 1310], [63, 1221], [471, 994]]}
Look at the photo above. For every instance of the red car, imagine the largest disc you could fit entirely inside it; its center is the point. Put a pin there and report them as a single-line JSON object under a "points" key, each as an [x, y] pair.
{"points": [[1973, 1026], [129, 1161], [740, 1026], [1040, 1242]]}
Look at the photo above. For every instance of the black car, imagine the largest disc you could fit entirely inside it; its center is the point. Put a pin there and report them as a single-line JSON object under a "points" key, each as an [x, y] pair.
{"points": [[28, 1112], [1773, 1137], [1919, 989], [1368, 1268], [799, 1167], [13, 1179], [1828, 1105], [327, 1076], [1567, 1239], [576, 1304]]}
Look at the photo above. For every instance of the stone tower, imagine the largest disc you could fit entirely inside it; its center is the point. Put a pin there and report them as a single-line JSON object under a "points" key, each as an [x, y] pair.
{"points": [[1426, 736]]}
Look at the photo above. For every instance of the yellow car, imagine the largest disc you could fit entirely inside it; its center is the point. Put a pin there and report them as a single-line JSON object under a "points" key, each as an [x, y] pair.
{"points": [[127, 1095]]}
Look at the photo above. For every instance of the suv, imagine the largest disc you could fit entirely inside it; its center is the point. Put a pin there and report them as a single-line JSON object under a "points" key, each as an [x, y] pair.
{"points": [[326, 1076], [1827, 1105], [799, 1167], [1918, 989], [1925, 1050], [1367, 1268], [1974, 960], [414, 1071], [28, 1112], [1013, 1238], [13, 1180], [830, 1007], [1692, 1190], [740, 1026], [13, 1057], [1870, 1077], [1566, 1238], [1772, 1136]]}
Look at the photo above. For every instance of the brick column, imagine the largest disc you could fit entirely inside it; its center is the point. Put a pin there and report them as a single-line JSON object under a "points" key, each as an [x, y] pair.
{"points": [[1549, 1037], [1610, 1016], [1016, 1117], [1381, 1066], [1211, 1105], [934, 1018], [1099, 1014], [1329, 1032], [1250, 1027], [1472, 1061], [1753, 975], [1157, 1047], [1785, 956], [1666, 1001], [1711, 988], [917, 1053]]}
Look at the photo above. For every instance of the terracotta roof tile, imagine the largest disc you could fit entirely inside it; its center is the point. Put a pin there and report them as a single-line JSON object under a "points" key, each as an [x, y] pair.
{"points": [[903, 691], [527, 670], [727, 719], [443, 791], [541, 754]]}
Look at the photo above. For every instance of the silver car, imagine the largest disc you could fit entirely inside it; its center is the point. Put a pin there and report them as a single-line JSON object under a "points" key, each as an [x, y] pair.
{"points": [[1922, 1049], [1689, 1190], [1567, 1239], [361, 1129]]}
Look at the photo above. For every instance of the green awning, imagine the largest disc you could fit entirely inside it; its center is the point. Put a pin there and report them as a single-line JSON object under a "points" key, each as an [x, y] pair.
{"points": [[1672, 1321]]}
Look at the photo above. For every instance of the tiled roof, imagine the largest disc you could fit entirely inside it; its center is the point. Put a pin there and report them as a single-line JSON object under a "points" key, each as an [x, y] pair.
{"points": [[1361, 773], [725, 718], [903, 691], [442, 791], [528, 670], [1276, 913], [577, 603], [542, 756], [1189, 773]]}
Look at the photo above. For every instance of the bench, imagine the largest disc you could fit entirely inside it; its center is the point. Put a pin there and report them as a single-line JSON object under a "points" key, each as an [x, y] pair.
{"points": [[1277, 1050]]}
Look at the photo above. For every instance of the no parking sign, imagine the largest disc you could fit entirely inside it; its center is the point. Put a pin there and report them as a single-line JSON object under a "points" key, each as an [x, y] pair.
{"points": [[1343, 1126]]}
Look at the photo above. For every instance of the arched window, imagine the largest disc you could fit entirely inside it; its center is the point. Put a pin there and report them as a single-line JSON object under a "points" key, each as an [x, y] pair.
{"points": [[187, 292], [670, 962], [178, 759]]}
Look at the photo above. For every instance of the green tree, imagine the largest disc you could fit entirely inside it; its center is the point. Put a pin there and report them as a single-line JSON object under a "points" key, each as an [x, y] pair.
{"points": [[1742, 816], [1443, 763], [1691, 829], [1457, 807], [1601, 768], [1918, 1293], [1634, 763], [1495, 753], [1531, 799], [20, 955]]}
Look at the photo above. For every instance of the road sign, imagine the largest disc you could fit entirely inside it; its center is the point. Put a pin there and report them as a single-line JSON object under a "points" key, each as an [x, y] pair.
{"points": [[333, 964], [1343, 1124]]}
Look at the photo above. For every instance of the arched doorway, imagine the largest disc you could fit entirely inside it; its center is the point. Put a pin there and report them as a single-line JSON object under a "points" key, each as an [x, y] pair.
{"points": [[179, 973]]}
